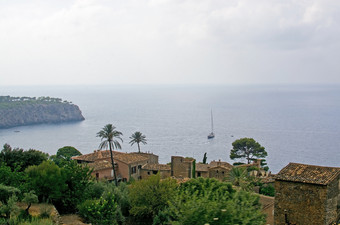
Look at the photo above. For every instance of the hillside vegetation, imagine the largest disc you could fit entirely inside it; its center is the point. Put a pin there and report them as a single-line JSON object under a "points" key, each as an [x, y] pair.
{"points": [[19, 111]]}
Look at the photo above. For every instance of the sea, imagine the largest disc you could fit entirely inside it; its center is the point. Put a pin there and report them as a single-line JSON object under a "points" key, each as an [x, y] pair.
{"points": [[295, 123]]}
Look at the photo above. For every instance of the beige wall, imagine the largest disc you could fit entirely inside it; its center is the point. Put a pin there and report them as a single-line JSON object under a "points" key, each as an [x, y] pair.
{"points": [[123, 170], [102, 174], [180, 168]]}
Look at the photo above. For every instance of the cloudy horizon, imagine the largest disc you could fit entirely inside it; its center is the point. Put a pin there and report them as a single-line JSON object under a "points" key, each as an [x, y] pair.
{"points": [[96, 42]]}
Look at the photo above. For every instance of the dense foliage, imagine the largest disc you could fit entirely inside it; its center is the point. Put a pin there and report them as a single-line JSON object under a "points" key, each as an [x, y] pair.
{"points": [[201, 201], [64, 155], [19, 159], [150, 196]]}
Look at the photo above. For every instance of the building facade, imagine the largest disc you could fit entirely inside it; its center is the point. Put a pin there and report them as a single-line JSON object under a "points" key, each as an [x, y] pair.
{"points": [[307, 194]]}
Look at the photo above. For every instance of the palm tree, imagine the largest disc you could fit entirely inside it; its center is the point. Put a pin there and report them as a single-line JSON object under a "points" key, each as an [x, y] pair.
{"points": [[137, 137], [110, 137]]}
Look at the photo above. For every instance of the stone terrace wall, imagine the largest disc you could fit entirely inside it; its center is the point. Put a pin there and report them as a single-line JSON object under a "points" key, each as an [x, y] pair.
{"points": [[305, 203], [333, 202]]}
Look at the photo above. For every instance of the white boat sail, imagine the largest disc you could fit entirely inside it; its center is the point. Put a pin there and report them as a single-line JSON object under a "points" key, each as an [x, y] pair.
{"points": [[211, 135]]}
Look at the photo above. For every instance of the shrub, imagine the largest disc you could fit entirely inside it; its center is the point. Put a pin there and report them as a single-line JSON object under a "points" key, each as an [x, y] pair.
{"points": [[103, 211], [268, 190]]}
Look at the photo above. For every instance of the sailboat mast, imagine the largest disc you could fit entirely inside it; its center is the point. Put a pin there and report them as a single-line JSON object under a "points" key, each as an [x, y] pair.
{"points": [[212, 123]]}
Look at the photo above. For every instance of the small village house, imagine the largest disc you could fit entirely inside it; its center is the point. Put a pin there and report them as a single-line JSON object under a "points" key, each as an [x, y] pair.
{"points": [[307, 194], [127, 165]]}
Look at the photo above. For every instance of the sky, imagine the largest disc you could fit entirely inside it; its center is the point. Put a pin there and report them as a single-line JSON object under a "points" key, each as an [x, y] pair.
{"points": [[95, 42]]}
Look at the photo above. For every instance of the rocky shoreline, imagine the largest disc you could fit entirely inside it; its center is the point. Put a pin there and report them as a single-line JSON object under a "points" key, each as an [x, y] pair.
{"points": [[38, 113]]}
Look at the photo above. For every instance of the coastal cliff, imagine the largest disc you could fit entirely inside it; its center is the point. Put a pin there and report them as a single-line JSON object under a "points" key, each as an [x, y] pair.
{"points": [[15, 111]]}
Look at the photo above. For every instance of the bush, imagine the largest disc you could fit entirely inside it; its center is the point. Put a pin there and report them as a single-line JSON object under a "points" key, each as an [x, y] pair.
{"points": [[103, 211], [95, 190], [202, 201], [268, 190], [150, 196]]}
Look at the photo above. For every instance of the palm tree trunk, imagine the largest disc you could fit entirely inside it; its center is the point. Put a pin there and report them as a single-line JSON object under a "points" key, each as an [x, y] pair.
{"points": [[138, 147], [113, 166]]}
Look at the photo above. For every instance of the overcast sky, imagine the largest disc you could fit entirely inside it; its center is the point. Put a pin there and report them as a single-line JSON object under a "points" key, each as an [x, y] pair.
{"points": [[169, 41]]}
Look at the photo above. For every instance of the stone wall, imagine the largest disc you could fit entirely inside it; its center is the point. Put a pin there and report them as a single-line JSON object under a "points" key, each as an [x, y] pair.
{"points": [[134, 170], [145, 173], [301, 203], [219, 172], [180, 167], [333, 202]]}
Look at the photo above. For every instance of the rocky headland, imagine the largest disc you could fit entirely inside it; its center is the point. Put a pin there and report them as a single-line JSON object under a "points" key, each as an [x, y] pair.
{"points": [[21, 111]]}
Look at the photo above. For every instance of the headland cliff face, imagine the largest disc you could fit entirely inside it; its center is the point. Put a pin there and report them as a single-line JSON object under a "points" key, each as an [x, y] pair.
{"points": [[38, 112]]}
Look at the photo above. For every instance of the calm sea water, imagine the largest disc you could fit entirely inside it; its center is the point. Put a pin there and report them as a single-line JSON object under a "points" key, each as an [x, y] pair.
{"points": [[294, 123]]}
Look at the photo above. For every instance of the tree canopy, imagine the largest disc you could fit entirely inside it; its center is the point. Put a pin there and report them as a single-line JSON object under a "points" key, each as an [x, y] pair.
{"points": [[248, 149], [138, 137], [18, 158], [64, 155], [209, 201]]}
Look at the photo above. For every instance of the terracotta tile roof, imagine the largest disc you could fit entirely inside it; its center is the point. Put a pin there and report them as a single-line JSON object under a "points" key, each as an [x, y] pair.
{"points": [[202, 167], [219, 163], [100, 165], [130, 157], [96, 155], [156, 167], [297, 172], [105, 154]]}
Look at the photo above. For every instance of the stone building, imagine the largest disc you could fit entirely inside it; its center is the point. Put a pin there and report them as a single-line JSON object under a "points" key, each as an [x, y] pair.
{"points": [[307, 194], [127, 165], [219, 170], [181, 167], [150, 169]]}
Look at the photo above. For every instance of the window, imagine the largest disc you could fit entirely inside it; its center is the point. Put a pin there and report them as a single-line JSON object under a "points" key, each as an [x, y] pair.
{"points": [[154, 171], [139, 167], [133, 170], [148, 172], [97, 176], [198, 174]]}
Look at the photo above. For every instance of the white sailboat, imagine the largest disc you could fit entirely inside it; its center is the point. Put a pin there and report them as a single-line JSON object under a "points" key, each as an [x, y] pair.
{"points": [[211, 135]]}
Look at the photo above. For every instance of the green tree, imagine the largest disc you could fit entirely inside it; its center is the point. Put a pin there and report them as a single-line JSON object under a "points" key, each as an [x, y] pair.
{"points": [[138, 137], [201, 201], [19, 159], [239, 176], [103, 211], [47, 181], [205, 158], [13, 178], [247, 148], [76, 179], [150, 196], [29, 198], [8, 200], [110, 138], [64, 155]]}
